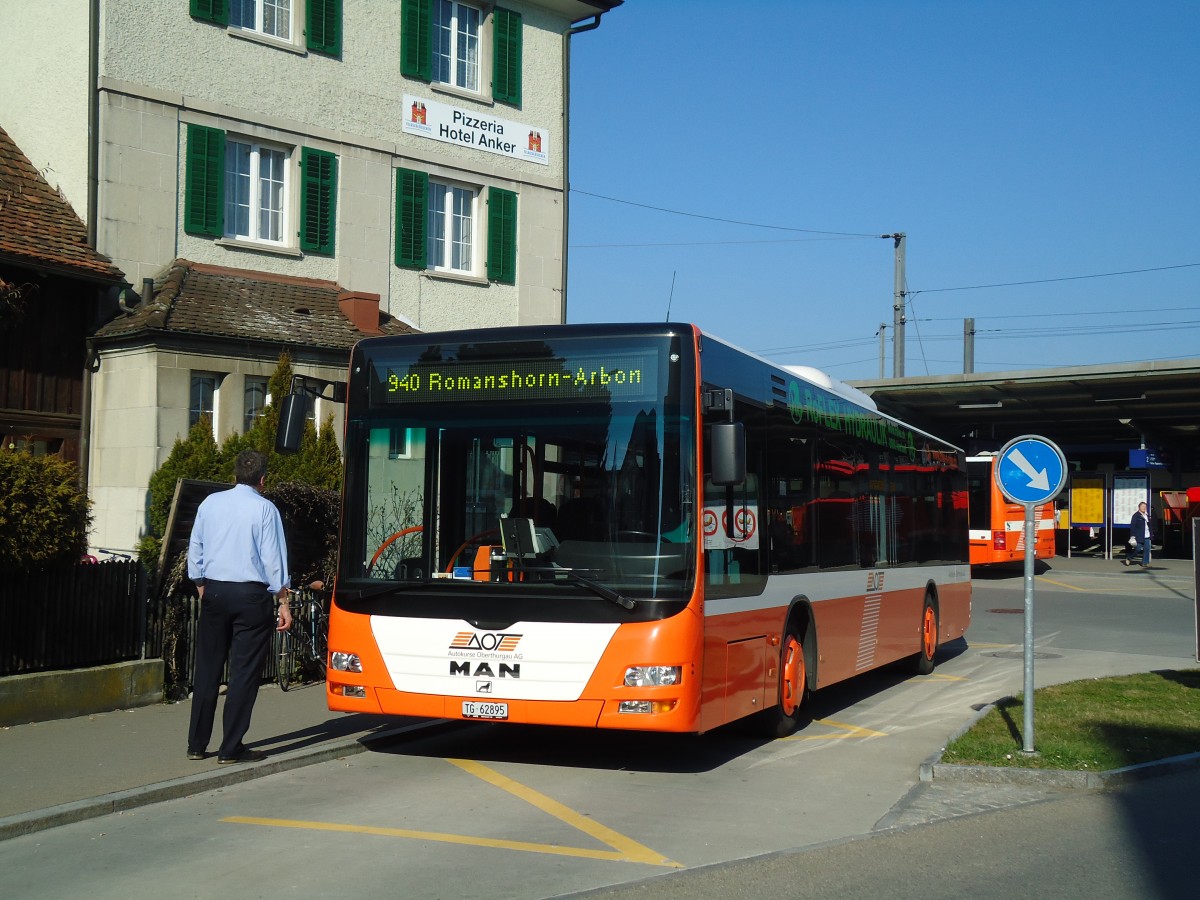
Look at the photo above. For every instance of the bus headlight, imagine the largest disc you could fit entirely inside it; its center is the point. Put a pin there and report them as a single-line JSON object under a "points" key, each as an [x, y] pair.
{"points": [[345, 662], [652, 676]]}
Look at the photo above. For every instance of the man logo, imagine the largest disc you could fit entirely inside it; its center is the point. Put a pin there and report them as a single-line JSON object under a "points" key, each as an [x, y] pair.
{"points": [[500, 643], [485, 670], [483, 687]]}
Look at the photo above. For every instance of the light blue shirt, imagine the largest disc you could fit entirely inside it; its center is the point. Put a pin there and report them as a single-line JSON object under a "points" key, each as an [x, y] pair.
{"points": [[238, 536]]}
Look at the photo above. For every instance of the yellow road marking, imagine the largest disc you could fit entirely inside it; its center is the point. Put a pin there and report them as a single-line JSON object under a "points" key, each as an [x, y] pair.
{"points": [[848, 731], [624, 849], [941, 676], [627, 847], [1065, 585]]}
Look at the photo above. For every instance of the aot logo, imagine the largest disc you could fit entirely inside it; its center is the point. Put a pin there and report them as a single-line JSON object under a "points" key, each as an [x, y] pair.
{"points": [[874, 582], [499, 643]]}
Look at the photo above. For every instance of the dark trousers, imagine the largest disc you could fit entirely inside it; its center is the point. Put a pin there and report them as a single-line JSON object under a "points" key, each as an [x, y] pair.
{"points": [[236, 621]]}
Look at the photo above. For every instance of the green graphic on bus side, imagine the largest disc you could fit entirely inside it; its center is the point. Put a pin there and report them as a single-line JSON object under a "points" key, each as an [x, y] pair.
{"points": [[836, 414]]}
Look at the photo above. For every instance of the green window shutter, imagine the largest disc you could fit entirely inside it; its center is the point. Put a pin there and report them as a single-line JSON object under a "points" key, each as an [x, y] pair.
{"points": [[416, 39], [204, 196], [318, 200], [215, 11], [412, 189], [502, 236], [506, 56], [323, 26]]}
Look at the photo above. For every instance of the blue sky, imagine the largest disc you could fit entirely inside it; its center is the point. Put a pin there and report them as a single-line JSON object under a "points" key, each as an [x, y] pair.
{"points": [[753, 159]]}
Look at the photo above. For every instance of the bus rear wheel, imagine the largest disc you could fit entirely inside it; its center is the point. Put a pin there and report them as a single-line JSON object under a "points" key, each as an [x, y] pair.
{"points": [[929, 639], [784, 718]]}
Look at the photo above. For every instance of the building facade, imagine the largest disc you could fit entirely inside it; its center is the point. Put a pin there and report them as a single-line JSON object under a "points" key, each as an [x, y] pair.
{"points": [[407, 153]]}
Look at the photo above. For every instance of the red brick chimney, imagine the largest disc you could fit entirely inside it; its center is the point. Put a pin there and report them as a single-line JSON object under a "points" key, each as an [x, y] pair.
{"points": [[362, 310]]}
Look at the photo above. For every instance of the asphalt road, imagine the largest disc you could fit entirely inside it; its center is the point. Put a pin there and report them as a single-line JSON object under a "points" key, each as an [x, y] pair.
{"points": [[836, 810]]}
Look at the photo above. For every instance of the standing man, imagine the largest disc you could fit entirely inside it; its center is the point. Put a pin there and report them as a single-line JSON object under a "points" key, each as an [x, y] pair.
{"points": [[238, 560], [1139, 530]]}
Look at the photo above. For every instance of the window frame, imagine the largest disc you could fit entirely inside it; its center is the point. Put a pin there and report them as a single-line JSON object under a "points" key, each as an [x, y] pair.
{"points": [[457, 55], [260, 13], [250, 413], [445, 241], [197, 410], [258, 149]]}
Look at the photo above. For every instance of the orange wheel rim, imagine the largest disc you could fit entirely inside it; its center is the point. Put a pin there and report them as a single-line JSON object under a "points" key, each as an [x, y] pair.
{"points": [[791, 676], [929, 633]]}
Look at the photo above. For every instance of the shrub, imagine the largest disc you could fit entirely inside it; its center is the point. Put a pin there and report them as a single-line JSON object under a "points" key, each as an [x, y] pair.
{"points": [[44, 515]]}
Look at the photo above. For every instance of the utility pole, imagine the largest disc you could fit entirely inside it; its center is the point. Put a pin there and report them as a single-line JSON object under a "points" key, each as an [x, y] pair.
{"points": [[968, 346], [898, 307], [882, 347]]}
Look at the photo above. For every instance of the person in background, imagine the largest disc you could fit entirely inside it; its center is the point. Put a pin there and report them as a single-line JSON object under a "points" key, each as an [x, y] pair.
{"points": [[1139, 530], [237, 558]]}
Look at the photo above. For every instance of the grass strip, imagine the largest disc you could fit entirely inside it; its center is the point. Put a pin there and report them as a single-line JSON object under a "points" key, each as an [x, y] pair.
{"points": [[1096, 724]]}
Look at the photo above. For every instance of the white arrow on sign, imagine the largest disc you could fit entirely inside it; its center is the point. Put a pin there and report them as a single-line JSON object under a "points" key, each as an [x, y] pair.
{"points": [[1039, 480]]}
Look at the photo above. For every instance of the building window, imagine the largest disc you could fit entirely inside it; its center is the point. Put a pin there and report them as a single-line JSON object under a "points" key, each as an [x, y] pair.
{"points": [[203, 398], [438, 227], [256, 400], [240, 189], [399, 443], [456, 44], [441, 43], [451, 227], [269, 17], [322, 20], [255, 192]]}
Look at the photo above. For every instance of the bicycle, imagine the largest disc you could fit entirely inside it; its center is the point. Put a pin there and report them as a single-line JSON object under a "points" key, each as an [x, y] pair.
{"points": [[303, 647]]}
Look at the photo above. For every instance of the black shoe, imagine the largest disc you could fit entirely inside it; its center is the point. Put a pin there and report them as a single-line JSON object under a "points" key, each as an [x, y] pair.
{"points": [[243, 755], [197, 754]]}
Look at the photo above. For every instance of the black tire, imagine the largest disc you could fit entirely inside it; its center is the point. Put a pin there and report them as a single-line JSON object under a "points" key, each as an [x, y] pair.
{"points": [[788, 713], [287, 660], [923, 661]]}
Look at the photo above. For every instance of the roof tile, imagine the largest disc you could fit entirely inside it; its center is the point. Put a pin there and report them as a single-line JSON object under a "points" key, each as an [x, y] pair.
{"points": [[37, 226], [215, 301]]}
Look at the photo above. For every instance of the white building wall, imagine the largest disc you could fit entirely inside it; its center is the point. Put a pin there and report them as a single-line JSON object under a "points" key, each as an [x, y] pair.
{"points": [[161, 70], [44, 100]]}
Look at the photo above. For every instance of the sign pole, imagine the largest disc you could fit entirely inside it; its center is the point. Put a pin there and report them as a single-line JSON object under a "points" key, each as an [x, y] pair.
{"points": [[1031, 471], [1030, 560]]}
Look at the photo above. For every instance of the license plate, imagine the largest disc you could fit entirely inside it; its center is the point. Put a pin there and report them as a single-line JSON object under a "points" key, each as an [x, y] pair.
{"points": [[473, 709]]}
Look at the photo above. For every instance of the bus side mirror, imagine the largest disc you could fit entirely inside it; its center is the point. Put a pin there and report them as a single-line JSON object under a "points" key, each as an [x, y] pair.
{"points": [[293, 410], [728, 453]]}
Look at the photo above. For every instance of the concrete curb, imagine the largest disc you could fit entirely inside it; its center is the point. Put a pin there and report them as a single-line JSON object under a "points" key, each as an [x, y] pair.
{"points": [[933, 768], [189, 785]]}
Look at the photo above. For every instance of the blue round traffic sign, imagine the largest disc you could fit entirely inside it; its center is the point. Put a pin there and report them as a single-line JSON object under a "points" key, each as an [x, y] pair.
{"points": [[1031, 470]]}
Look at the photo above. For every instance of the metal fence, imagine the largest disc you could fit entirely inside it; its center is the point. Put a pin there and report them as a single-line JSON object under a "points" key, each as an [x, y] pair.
{"points": [[95, 614], [86, 615]]}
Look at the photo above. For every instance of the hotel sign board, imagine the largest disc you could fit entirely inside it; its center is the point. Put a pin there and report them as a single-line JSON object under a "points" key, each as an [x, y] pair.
{"points": [[466, 128]]}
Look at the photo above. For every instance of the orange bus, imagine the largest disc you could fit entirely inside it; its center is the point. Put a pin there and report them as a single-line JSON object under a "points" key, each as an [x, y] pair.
{"points": [[629, 527], [997, 526]]}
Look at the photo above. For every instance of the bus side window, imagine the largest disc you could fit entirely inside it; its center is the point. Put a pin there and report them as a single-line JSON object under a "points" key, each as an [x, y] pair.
{"points": [[791, 520], [735, 564]]}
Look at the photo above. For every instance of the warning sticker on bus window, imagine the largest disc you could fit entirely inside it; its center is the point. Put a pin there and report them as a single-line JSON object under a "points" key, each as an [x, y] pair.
{"points": [[719, 536]]}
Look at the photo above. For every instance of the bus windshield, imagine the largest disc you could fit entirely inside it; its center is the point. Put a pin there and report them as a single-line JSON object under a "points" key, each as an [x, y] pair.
{"points": [[557, 465]]}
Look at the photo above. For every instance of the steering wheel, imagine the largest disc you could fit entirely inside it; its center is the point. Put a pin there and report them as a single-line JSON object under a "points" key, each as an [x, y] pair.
{"points": [[387, 543]]}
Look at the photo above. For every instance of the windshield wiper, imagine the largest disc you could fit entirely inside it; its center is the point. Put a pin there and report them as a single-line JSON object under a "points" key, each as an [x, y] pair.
{"points": [[600, 590]]}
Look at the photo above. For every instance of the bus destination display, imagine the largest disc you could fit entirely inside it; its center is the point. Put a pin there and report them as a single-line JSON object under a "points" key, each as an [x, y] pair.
{"points": [[608, 376]]}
